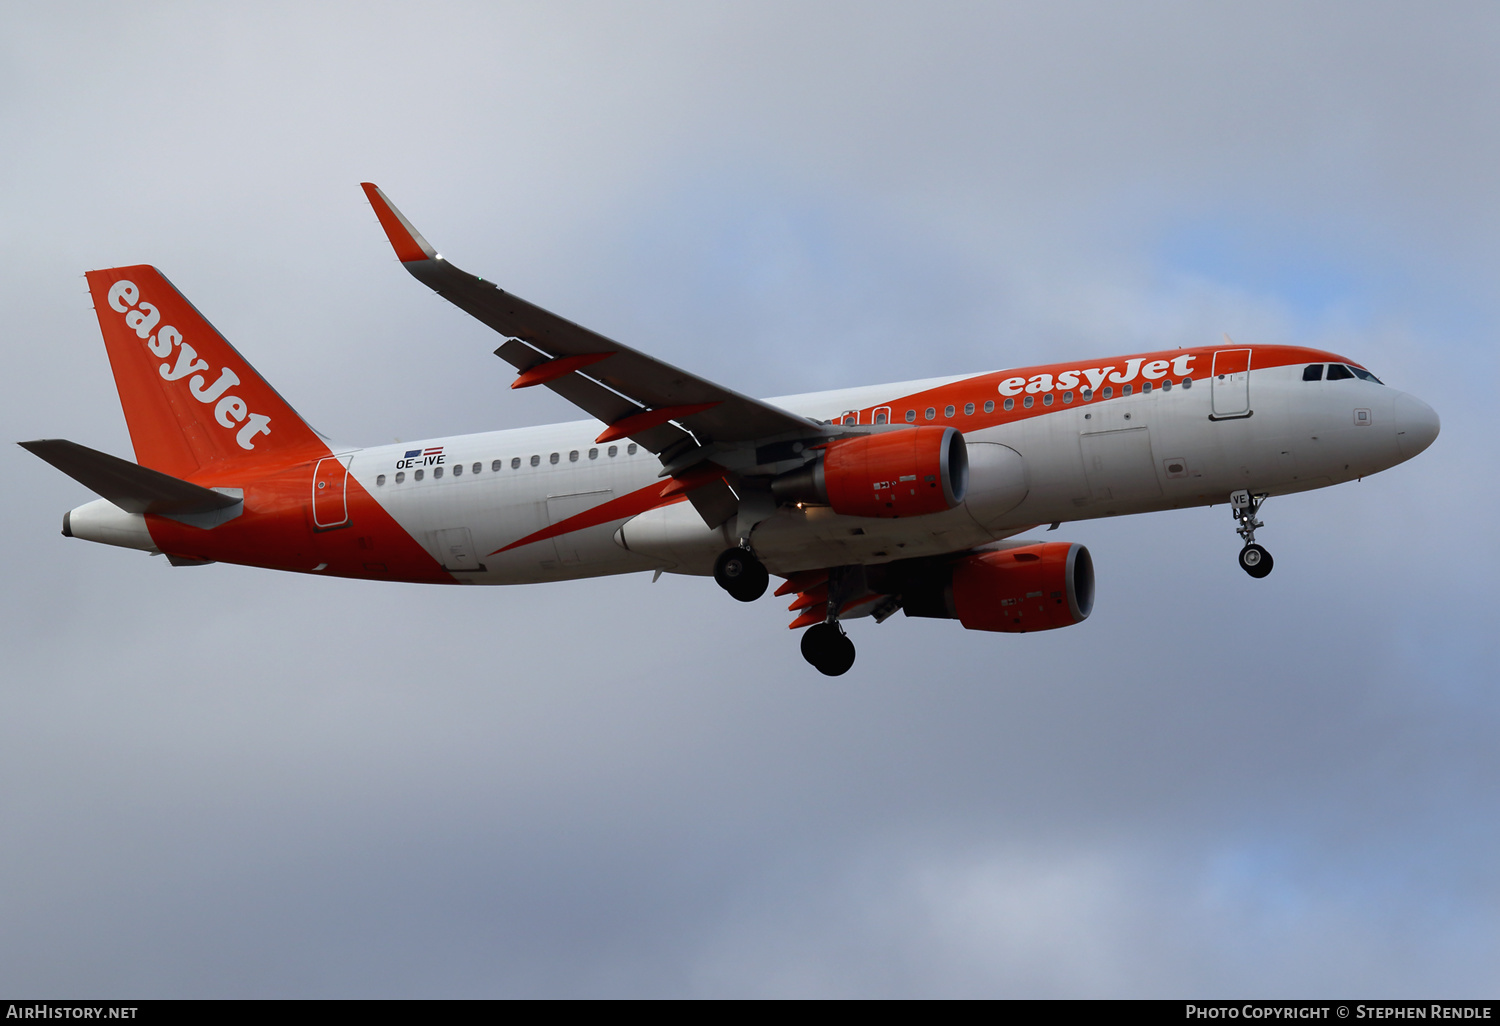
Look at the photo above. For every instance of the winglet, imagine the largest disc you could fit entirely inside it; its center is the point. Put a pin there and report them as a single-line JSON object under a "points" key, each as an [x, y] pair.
{"points": [[405, 240]]}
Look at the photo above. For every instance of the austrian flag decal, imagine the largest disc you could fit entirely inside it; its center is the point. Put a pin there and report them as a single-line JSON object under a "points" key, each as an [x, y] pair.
{"points": [[421, 458]]}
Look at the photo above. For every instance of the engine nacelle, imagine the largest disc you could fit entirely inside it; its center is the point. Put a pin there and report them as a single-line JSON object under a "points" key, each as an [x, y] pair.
{"points": [[902, 473], [1028, 588]]}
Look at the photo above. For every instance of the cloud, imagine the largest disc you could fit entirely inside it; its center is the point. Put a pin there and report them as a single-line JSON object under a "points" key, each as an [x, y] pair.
{"points": [[223, 781]]}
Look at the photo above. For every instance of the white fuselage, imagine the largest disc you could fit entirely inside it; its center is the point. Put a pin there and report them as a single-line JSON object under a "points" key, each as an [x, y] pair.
{"points": [[1128, 454]]}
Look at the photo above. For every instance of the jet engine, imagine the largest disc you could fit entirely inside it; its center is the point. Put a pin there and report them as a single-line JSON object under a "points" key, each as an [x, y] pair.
{"points": [[1015, 590], [900, 473]]}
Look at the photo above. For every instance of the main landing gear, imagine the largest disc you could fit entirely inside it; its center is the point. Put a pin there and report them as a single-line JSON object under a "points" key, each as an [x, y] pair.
{"points": [[741, 574], [828, 648], [825, 644], [1254, 559]]}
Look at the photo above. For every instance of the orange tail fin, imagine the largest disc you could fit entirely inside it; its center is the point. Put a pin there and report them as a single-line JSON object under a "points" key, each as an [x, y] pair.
{"points": [[191, 400]]}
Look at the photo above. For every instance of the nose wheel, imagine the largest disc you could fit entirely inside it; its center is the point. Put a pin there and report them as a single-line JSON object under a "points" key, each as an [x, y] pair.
{"points": [[741, 574], [1254, 559], [828, 648]]}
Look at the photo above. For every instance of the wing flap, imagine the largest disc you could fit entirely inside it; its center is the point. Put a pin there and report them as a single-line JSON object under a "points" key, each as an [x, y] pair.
{"points": [[715, 502]]}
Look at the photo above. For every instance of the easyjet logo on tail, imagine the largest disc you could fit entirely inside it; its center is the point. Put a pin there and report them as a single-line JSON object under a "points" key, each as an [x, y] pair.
{"points": [[230, 411]]}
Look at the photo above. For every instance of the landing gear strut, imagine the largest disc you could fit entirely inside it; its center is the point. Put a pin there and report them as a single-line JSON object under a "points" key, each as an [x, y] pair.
{"points": [[828, 648], [741, 574], [825, 644], [1254, 559]]}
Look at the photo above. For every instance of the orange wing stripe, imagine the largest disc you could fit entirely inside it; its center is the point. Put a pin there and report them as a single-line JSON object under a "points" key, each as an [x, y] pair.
{"points": [[686, 483], [647, 419], [628, 505], [811, 597], [554, 369]]}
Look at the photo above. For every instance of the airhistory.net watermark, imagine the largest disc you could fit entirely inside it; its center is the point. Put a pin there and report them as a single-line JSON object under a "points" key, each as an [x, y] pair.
{"points": [[49, 1010]]}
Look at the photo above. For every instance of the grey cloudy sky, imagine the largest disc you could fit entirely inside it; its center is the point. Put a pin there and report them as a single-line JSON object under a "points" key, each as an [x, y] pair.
{"points": [[223, 781]]}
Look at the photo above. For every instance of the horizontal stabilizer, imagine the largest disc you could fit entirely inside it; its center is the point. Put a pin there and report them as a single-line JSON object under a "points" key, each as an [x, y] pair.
{"points": [[134, 488]]}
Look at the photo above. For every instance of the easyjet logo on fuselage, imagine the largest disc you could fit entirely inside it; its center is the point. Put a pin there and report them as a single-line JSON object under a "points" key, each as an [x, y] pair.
{"points": [[1096, 376], [230, 411]]}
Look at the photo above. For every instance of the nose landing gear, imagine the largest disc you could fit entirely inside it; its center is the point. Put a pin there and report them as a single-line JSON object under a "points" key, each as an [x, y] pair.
{"points": [[1254, 559], [741, 574]]}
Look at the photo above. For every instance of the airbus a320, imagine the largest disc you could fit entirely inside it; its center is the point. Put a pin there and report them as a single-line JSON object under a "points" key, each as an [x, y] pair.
{"points": [[865, 501]]}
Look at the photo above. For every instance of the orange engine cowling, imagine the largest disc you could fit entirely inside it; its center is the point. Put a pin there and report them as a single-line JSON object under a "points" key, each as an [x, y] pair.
{"points": [[1029, 588], [901, 473]]}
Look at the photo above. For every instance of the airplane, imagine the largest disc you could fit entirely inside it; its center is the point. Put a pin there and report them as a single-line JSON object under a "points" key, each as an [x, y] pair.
{"points": [[863, 501]]}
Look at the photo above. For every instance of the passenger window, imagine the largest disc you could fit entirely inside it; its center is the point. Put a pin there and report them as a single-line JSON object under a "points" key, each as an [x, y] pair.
{"points": [[515, 462], [1187, 382], [476, 468], [1086, 393], [1166, 385], [948, 412], [380, 480], [400, 476], [613, 449], [1312, 372], [418, 475], [930, 413], [1028, 401], [989, 406], [1144, 388], [1125, 390], [1010, 404], [437, 472], [1067, 397], [458, 470], [911, 416], [573, 456], [1108, 393], [553, 459], [630, 449], [880, 418], [968, 409], [536, 461], [1047, 399], [1338, 372]]}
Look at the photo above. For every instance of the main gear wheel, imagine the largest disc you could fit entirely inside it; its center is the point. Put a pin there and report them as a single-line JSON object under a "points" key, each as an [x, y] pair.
{"points": [[741, 574], [828, 648]]}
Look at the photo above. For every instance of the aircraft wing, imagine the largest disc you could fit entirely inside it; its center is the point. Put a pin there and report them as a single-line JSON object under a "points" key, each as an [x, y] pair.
{"points": [[636, 395]]}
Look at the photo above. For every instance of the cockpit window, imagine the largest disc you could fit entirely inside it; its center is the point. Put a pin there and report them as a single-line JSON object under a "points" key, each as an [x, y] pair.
{"points": [[1338, 372], [1364, 375], [1312, 372]]}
